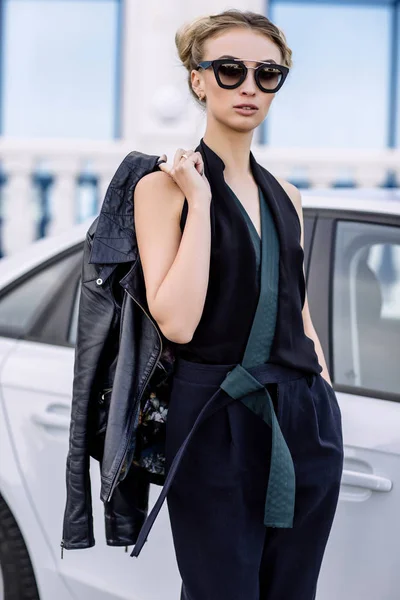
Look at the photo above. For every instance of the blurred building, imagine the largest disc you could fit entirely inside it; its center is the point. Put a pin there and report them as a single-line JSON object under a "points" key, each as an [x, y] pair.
{"points": [[83, 82]]}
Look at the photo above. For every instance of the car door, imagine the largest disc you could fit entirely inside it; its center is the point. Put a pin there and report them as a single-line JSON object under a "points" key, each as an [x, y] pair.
{"points": [[41, 314], [354, 296]]}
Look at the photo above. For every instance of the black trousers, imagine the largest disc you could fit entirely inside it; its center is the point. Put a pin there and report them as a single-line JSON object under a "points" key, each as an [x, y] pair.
{"points": [[217, 498]]}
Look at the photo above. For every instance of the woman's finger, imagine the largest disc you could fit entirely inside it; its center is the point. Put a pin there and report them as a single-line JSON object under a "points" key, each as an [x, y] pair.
{"points": [[162, 158], [199, 164], [166, 167], [178, 155], [191, 157], [196, 159]]}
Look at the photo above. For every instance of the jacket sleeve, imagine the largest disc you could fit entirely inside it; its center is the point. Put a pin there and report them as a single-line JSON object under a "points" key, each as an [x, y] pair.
{"points": [[97, 316]]}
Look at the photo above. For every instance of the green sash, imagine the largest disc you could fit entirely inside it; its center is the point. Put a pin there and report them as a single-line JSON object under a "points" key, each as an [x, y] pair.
{"points": [[240, 384]]}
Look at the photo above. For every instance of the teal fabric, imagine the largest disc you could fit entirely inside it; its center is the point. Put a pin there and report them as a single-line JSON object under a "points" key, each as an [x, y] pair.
{"points": [[240, 384], [262, 332]]}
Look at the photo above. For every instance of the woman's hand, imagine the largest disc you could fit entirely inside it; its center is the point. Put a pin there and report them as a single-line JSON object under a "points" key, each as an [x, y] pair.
{"points": [[188, 174]]}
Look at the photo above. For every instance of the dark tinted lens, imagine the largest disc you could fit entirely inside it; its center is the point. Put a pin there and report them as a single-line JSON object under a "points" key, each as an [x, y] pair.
{"points": [[230, 73], [269, 77]]}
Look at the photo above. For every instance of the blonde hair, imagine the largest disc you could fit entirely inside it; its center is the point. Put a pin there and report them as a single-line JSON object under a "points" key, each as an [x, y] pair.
{"points": [[190, 37]]}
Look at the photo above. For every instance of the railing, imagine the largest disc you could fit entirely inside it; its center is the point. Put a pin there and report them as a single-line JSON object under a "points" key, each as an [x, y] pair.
{"points": [[49, 185]]}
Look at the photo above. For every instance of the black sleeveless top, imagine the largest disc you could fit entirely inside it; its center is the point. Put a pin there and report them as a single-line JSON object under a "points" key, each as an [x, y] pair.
{"points": [[220, 336], [255, 238], [234, 282]]}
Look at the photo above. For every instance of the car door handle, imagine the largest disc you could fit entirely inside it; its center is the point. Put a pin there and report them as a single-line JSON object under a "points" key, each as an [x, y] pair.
{"points": [[54, 416], [366, 480]]}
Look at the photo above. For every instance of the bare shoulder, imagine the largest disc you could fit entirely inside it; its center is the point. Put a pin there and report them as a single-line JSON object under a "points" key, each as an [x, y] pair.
{"points": [[293, 192], [295, 196], [158, 189]]}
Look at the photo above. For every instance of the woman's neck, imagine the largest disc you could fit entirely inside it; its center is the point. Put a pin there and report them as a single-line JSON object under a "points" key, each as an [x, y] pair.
{"points": [[234, 150]]}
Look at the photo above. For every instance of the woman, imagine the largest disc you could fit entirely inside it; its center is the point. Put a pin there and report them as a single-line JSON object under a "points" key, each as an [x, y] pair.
{"points": [[254, 492]]}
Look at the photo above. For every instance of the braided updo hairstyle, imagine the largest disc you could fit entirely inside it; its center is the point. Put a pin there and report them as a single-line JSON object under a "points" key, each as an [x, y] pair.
{"points": [[190, 37]]}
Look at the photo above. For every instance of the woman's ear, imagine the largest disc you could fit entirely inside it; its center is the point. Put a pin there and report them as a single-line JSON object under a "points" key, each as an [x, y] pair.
{"points": [[197, 84]]}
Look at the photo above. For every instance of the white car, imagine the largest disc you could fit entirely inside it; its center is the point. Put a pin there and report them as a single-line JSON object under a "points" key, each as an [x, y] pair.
{"points": [[352, 261]]}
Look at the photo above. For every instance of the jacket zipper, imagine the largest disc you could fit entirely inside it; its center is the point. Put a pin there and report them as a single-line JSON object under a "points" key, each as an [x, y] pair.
{"points": [[105, 391], [115, 478]]}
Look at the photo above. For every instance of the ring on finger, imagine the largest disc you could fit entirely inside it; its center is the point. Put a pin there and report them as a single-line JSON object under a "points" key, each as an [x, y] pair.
{"points": [[184, 155]]}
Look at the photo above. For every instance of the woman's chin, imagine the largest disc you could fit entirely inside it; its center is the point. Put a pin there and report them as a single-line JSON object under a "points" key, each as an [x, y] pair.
{"points": [[243, 127]]}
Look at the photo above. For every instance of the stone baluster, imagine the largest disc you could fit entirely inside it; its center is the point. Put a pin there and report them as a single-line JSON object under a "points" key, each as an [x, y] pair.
{"points": [[18, 209], [105, 168], [370, 174], [322, 175], [64, 194]]}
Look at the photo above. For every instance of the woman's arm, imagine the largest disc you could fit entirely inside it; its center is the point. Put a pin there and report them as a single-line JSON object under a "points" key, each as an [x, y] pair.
{"points": [[175, 265], [295, 195], [311, 333]]}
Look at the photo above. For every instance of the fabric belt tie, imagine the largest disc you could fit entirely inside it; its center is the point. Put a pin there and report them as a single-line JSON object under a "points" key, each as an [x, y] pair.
{"points": [[240, 384], [280, 498]]}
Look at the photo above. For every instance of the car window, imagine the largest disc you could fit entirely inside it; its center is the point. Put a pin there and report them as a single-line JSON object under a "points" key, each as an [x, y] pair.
{"points": [[20, 305], [366, 306]]}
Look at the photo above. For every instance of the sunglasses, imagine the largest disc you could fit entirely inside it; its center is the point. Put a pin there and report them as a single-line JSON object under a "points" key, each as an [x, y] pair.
{"points": [[231, 72]]}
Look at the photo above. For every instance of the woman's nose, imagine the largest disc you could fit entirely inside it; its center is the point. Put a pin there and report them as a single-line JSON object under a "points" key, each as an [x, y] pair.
{"points": [[249, 85]]}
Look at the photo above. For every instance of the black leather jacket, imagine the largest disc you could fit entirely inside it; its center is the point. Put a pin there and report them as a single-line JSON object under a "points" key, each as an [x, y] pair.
{"points": [[119, 347]]}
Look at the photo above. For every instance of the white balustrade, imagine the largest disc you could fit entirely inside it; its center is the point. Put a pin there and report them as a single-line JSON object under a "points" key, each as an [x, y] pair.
{"points": [[65, 159]]}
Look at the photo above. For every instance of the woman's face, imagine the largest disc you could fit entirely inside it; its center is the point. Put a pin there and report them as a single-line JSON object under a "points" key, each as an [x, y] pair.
{"points": [[244, 44]]}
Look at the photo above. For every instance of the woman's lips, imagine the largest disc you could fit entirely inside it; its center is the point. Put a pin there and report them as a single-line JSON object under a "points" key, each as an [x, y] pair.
{"points": [[245, 111]]}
